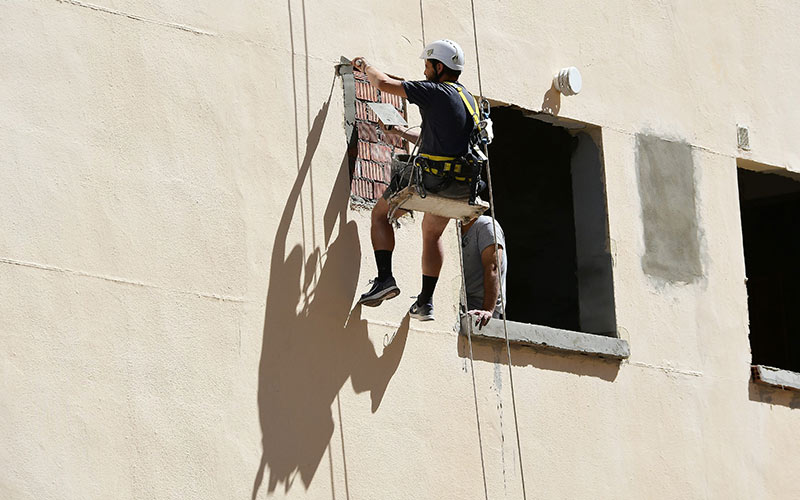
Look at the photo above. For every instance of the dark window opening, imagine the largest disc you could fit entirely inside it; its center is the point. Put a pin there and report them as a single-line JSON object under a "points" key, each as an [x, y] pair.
{"points": [[549, 190], [770, 211]]}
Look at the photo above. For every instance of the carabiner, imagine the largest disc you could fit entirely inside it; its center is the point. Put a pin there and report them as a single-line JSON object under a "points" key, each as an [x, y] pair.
{"points": [[486, 108]]}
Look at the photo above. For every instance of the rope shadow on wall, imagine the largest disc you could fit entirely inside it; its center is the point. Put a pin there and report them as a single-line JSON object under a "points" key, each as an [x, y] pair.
{"points": [[312, 341]]}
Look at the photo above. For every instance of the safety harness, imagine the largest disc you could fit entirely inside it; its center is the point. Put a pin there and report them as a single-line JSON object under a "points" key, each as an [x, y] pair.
{"points": [[466, 168]]}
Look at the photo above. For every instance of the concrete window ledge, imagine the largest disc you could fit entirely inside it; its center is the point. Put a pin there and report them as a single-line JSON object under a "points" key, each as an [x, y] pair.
{"points": [[551, 338], [776, 377]]}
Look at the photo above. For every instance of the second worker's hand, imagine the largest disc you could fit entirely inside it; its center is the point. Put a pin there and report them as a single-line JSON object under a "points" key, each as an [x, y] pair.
{"points": [[481, 317]]}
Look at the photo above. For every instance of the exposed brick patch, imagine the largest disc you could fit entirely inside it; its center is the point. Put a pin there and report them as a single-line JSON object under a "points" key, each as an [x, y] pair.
{"points": [[372, 170]]}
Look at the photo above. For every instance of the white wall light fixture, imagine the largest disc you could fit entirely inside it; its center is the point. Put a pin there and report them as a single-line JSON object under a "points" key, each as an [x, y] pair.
{"points": [[568, 81]]}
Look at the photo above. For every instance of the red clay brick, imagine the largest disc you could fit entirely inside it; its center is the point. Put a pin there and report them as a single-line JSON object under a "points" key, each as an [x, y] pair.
{"points": [[364, 113], [362, 110], [380, 173], [379, 176], [361, 90], [364, 150], [375, 171], [380, 153], [357, 188], [393, 140], [366, 92], [379, 189], [391, 99], [367, 132], [367, 189], [367, 170]]}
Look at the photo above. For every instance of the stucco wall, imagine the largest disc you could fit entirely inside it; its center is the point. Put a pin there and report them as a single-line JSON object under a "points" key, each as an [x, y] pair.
{"points": [[179, 261]]}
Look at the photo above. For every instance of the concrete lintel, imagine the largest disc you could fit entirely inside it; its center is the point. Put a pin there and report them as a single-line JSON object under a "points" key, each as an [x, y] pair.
{"points": [[776, 377], [551, 338]]}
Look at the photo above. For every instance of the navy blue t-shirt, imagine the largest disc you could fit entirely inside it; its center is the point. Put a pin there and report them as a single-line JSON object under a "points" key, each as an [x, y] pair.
{"points": [[447, 124]]}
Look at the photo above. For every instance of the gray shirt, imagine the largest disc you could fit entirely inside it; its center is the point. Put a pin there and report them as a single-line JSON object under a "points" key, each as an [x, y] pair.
{"points": [[473, 243]]}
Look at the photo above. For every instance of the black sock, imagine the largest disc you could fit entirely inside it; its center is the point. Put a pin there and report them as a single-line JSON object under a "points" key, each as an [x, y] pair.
{"points": [[428, 285], [383, 258]]}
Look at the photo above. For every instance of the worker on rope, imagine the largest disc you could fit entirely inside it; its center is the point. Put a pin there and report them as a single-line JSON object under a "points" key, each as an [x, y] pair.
{"points": [[482, 279], [447, 125]]}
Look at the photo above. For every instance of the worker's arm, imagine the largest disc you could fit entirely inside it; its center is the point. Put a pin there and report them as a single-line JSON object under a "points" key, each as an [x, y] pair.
{"points": [[379, 79], [410, 134], [491, 284]]}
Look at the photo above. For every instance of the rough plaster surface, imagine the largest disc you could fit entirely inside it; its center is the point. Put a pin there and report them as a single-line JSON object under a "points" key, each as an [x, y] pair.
{"points": [[178, 262], [665, 171]]}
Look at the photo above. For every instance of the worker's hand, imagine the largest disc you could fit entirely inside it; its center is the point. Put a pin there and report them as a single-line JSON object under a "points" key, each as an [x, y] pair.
{"points": [[391, 129], [481, 317], [360, 64]]}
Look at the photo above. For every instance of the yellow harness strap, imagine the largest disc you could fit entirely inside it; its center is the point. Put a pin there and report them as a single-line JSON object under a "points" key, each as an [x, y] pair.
{"points": [[464, 98], [437, 158]]}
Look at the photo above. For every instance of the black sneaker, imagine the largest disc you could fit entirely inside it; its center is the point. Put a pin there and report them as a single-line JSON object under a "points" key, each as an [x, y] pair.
{"points": [[422, 312], [381, 290]]}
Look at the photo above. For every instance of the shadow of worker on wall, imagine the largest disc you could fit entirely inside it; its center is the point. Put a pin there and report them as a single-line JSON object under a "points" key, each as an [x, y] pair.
{"points": [[313, 342]]}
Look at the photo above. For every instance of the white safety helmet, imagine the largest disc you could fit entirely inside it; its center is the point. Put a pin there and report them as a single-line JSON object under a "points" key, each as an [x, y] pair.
{"points": [[446, 51]]}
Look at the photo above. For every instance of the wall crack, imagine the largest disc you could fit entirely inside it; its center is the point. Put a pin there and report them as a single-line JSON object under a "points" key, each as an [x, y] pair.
{"points": [[83, 274], [106, 10]]}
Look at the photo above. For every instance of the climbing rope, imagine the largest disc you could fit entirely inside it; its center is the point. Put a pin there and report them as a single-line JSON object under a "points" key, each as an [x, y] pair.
{"points": [[497, 261], [471, 358]]}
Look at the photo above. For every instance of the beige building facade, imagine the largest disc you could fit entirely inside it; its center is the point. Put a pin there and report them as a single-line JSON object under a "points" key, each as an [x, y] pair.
{"points": [[181, 254]]}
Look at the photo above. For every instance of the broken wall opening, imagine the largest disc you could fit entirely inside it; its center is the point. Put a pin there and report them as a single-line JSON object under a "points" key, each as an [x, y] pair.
{"points": [[770, 214], [549, 190]]}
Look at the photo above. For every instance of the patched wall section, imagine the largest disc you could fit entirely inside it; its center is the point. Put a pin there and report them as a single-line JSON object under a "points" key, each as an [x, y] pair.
{"points": [[370, 150], [665, 173]]}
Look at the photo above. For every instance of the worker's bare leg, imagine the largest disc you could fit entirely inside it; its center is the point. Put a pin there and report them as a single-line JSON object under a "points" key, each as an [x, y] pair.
{"points": [[432, 248], [381, 231], [382, 234], [432, 258]]}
